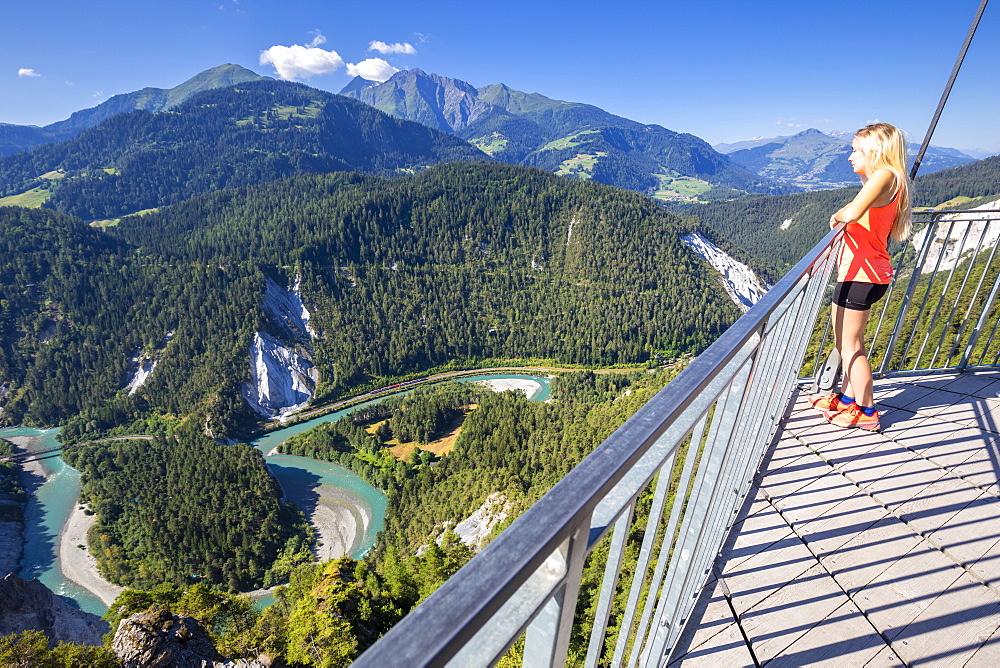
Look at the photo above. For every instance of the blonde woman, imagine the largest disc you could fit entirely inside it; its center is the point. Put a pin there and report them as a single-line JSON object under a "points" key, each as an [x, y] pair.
{"points": [[879, 212]]}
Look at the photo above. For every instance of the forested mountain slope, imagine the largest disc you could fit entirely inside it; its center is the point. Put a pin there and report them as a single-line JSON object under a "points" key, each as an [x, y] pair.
{"points": [[569, 138], [459, 262], [230, 137], [16, 138], [777, 231]]}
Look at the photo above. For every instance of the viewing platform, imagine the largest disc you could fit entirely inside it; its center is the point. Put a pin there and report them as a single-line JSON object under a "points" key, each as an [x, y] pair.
{"points": [[857, 548]]}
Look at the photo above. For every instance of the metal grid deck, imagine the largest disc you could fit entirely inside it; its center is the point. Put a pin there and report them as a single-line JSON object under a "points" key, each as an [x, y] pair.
{"points": [[857, 548]]}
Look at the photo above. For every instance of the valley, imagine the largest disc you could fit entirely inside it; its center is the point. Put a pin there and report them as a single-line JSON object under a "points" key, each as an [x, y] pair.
{"points": [[290, 299]]}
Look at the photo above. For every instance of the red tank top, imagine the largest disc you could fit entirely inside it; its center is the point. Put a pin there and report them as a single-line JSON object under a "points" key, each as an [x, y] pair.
{"points": [[864, 257]]}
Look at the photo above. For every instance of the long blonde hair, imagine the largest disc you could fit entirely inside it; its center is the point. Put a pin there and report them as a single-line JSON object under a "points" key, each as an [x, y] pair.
{"points": [[884, 147]]}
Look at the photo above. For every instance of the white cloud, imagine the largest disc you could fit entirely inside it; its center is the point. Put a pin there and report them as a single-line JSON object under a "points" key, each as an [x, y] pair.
{"points": [[373, 69], [27, 72], [788, 122], [397, 47], [301, 62]]}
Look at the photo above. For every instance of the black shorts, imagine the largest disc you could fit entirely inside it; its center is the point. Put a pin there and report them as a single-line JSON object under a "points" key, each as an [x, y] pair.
{"points": [[858, 296]]}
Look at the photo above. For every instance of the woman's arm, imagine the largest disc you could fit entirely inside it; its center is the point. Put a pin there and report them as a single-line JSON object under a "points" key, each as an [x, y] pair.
{"points": [[877, 190]]}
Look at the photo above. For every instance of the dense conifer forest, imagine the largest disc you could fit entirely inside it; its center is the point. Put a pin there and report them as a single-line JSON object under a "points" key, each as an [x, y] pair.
{"points": [[329, 613], [182, 509], [456, 264], [460, 262]]}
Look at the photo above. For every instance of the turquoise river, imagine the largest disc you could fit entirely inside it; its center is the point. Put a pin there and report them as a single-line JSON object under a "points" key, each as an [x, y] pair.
{"points": [[50, 505]]}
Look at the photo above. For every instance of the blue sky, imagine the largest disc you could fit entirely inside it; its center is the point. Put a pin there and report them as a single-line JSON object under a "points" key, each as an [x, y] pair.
{"points": [[721, 70]]}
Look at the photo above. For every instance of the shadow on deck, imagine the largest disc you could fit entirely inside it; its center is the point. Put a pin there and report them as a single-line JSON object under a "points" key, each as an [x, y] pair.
{"points": [[857, 548]]}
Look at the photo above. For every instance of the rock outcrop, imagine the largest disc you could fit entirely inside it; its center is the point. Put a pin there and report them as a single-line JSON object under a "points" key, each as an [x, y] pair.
{"points": [[476, 529], [141, 365], [30, 605], [139, 369], [11, 539], [159, 639], [956, 238]]}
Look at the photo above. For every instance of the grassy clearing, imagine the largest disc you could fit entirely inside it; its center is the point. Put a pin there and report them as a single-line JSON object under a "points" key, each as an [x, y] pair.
{"points": [[490, 144], [960, 202], [285, 112], [439, 447], [31, 199], [674, 187], [53, 175], [567, 142], [581, 166], [111, 222]]}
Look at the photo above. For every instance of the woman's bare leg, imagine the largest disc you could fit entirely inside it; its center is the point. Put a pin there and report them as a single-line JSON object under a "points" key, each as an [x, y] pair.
{"points": [[849, 331]]}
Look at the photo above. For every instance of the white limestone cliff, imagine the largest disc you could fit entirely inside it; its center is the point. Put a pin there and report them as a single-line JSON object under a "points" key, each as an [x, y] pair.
{"points": [[738, 279], [141, 365], [476, 529], [950, 247], [139, 368], [286, 309], [282, 381], [283, 377]]}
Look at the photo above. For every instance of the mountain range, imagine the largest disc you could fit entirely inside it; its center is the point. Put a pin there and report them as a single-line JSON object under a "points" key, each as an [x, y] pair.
{"points": [[15, 138], [815, 160], [248, 133], [568, 138]]}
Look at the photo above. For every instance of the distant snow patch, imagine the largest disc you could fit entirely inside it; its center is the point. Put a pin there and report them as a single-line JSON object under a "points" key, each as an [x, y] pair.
{"points": [[785, 225], [740, 282]]}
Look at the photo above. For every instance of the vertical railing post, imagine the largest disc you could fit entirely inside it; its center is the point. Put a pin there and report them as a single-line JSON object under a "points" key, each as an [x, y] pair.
{"points": [[547, 639], [983, 316], [616, 554], [930, 231], [696, 524], [987, 307]]}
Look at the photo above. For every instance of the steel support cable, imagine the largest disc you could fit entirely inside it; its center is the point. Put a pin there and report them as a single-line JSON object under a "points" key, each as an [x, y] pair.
{"points": [[947, 89]]}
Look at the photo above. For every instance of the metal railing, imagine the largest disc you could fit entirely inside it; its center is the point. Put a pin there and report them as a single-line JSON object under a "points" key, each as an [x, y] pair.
{"points": [[678, 470], [941, 310]]}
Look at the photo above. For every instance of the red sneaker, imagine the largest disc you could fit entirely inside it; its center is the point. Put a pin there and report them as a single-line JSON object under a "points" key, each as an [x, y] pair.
{"points": [[852, 416], [827, 402]]}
